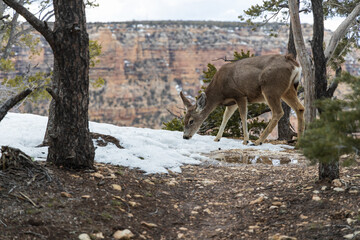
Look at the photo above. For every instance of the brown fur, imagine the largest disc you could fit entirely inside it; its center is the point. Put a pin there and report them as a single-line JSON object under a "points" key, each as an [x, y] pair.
{"points": [[252, 80]]}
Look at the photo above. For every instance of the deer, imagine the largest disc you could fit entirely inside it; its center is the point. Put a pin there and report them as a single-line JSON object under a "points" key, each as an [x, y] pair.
{"points": [[261, 79]]}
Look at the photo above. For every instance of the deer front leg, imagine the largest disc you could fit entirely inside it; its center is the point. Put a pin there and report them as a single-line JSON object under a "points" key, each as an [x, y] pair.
{"points": [[242, 104], [229, 111]]}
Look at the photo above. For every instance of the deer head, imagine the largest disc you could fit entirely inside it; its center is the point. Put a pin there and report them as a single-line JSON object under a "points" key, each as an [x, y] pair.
{"points": [[194, 115]]}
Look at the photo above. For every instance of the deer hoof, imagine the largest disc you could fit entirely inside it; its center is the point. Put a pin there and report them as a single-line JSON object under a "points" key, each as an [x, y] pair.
{"points": [[217, 140], [246, 142], [257, 143]]}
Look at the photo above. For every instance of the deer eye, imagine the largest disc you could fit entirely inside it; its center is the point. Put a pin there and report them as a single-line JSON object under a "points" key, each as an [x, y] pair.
{"points": [[191, 122]]}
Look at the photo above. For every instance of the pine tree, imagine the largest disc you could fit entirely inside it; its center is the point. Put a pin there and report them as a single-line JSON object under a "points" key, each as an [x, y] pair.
{"points": [[336, 132]]}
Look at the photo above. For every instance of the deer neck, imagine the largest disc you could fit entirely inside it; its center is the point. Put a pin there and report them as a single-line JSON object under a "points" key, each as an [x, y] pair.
{"points": [[212, 103]]}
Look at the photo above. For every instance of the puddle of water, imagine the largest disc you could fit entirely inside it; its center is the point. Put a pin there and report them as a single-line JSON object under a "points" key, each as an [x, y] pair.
{"points": [[247, 159]]}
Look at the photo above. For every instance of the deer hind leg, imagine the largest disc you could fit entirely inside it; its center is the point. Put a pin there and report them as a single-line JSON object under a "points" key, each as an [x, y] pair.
{"points": [[291, 99], [277, 112], [243, 110], [229, 111]]}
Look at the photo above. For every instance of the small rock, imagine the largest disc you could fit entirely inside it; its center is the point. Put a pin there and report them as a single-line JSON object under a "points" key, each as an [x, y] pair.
{"points": [[65, 194], [98, 235], [180, 235], [116, 187], [303, 217], [323, 188], [278, 236], [85, 196], [258, 200], [338, 189], [349, 236], [316, 191], [194, 212], [273, 207], [183, 229], [172, 182], [353, 190], [350, 221], [133, 204], [277, 203], [316, 198], [98, 175], [336, 183], [208, 211], [123, 234], [197, 208], [253, 228], [112, 176], [84, 236], [149, 182], [150, 225]]}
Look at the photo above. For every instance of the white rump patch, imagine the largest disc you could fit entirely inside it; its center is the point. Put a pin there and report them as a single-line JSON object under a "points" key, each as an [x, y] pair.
{"points": [[296, 75]]}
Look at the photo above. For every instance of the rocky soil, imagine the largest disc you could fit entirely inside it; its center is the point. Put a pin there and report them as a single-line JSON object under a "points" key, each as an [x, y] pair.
{"points": [[215, 200]]}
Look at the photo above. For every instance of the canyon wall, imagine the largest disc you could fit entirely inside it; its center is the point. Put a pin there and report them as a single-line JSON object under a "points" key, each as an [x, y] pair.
{"points": [[146, 64]]}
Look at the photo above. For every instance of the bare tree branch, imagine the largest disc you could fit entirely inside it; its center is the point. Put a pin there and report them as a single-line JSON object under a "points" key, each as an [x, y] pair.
{"points": [[12, 102], [34, 21], [340, 32]]}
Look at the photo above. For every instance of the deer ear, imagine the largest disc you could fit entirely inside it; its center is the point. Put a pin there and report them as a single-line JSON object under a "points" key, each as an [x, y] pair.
{"points": [[201, 102], [186, 101]]}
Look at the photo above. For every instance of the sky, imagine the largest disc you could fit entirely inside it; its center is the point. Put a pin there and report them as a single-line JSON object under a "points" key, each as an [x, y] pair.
{"points": [[153, 151], [218, 10]]}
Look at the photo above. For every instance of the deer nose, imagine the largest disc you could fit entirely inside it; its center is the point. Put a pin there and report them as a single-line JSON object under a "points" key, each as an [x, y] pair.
{"points": [[186, 137]]}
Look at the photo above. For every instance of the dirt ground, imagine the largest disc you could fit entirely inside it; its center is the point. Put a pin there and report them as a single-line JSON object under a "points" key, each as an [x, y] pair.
{"points": [[215, 200]]}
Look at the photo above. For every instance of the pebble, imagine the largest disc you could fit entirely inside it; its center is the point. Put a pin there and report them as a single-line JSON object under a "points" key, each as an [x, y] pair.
{"points": [[278, 236], [338, 189], [258, 200], [336, 183], [151, 225], [316, 198], [208, 211], [116, 187], [350, 221], [123, 234], [84, 236], [98, 235], [98, 175], [353, 190], [65, 194]]}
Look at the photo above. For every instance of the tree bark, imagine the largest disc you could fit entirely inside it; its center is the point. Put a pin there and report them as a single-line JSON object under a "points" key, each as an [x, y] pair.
{"points": [[284, 130], [305, 61], [71, 145], [318, 49], [329, 171]]}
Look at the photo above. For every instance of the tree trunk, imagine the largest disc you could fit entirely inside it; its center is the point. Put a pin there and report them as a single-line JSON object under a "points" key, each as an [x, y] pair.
{"points": [[317, 47], [326, 170], [307, 66], [284, 130], [71, 145], [329, 171]]}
